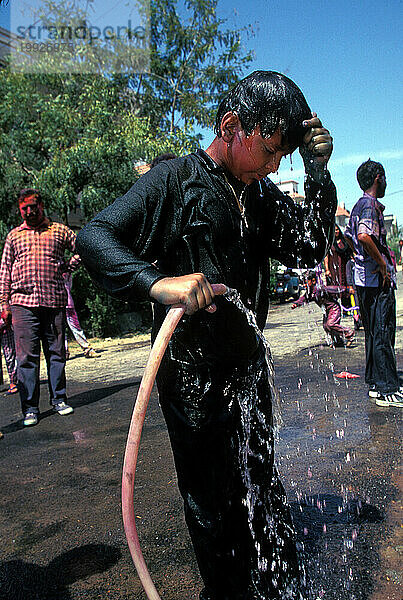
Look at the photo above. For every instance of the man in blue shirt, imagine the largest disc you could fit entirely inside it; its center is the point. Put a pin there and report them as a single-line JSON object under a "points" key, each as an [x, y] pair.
{"points": [[375, 281]]}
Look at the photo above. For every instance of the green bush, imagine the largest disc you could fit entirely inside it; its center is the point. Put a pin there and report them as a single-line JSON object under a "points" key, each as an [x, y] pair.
{"points": [[98, 312], [102, 316]]}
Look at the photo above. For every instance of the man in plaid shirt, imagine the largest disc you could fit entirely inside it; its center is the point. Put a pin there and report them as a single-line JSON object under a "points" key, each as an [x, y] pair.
{"points": [[33, 298]]}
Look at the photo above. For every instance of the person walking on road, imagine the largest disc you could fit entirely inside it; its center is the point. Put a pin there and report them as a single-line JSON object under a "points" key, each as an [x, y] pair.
{"points": [[33, 299], [400, 257], [335, 263], [326, 296], [375, 282]]}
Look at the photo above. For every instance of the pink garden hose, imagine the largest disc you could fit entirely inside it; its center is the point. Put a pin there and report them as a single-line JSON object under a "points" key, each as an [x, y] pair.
{"points": [[173, 317]]}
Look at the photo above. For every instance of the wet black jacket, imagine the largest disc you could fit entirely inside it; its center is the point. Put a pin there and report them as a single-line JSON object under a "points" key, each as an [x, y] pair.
{"points": [[181, 217]]}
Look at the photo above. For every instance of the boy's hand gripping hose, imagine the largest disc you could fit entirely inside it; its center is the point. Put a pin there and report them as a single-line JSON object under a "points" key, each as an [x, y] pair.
{"points": [[173, 317]]}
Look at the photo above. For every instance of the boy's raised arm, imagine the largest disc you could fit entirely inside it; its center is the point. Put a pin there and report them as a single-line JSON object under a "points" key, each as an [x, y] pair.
{"points": [[302, 235]]}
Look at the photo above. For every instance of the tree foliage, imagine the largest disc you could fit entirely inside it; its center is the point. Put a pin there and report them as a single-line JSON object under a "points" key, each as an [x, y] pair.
{"points": [[194, 59], [77, 140], [77, 137], [74, 137]]}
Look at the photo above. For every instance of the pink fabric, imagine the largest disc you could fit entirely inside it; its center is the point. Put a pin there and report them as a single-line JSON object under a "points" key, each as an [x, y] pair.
{"points": [[7, 342], [68, 284], [331, 323]]}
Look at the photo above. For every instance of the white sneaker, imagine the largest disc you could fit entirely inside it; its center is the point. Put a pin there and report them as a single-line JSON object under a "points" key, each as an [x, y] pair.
{"points": [[30, 418], [62, 408], [373, 392], [391, 400]]}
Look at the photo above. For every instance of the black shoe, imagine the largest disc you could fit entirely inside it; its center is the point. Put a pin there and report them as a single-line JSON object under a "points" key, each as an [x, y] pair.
{"points": [[373, 392]]}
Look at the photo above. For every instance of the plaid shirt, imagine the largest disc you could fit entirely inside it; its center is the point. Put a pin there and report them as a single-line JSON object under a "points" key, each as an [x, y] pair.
{"points": [[33, 263]]}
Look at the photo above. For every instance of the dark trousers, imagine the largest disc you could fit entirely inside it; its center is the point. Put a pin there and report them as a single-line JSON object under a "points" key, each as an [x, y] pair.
{"points": [[33, 326], [378, 314], [219, 420]]}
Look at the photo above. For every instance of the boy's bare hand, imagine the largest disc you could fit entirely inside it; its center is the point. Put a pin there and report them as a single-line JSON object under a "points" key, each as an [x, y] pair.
{"points": [[194, 291], [383, 271], [318, 143]]}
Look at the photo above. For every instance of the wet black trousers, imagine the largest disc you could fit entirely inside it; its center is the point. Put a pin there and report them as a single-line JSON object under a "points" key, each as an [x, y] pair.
{"points": [[220, 424], [378, 314]]}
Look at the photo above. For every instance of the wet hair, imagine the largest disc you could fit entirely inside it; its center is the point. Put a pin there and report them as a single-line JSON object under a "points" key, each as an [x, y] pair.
{"points": [[268, 99], [311, 275], [367, 172], [161, 157], [27, 192]]}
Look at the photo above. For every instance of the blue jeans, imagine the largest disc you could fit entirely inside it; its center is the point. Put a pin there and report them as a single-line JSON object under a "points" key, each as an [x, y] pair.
{"points": [[33, 326]]}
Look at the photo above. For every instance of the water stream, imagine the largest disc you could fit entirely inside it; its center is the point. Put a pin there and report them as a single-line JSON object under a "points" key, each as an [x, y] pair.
{"points": [[233, 296], [304, 446], [268, 519]]}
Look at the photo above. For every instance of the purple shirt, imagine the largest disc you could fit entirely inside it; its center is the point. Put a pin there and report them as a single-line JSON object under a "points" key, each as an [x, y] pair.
{"points": [[367, 217]]}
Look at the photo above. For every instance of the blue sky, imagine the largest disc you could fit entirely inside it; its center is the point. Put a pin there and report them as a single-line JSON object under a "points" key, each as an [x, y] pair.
{"points": [[347, 58]]}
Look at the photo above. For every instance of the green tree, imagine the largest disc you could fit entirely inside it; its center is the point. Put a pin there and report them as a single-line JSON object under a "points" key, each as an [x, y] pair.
{"points": [[75, 138], [393, 238], [194, 59]]}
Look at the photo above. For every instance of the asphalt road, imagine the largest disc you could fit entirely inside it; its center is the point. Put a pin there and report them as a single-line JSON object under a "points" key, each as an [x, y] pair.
{"points": [[61, 531]]}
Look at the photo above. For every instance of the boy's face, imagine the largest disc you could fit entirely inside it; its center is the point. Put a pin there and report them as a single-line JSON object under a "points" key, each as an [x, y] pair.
{"points": [[253, 157], [312, 282]]}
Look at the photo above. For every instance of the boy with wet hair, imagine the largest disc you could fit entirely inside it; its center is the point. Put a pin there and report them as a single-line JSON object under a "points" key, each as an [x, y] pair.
{"points": [[375, 282], [213, 217], [249, 100]]}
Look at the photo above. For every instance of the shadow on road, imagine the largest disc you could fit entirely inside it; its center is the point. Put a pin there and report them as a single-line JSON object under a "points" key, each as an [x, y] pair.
{"points": [[20, 580], [315, 515], [95, 395], [82, 399]]}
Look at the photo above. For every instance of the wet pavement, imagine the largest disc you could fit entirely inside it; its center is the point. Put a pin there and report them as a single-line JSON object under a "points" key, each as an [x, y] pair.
{"points": [[338, 453]]}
